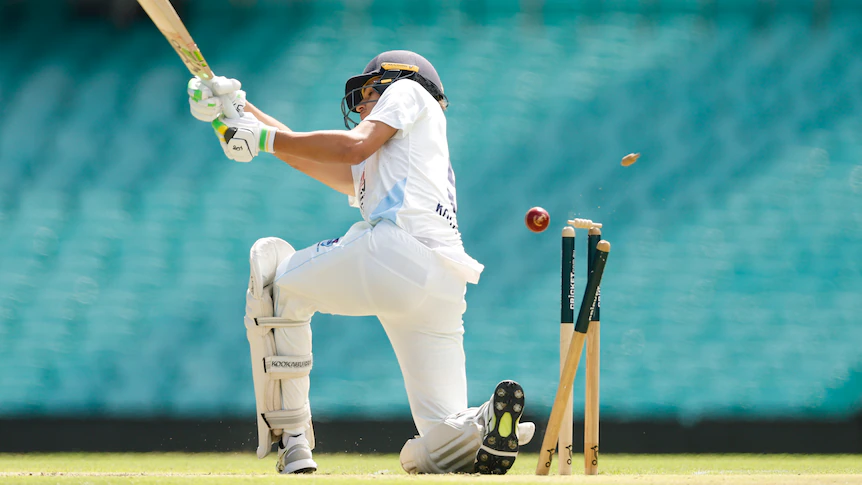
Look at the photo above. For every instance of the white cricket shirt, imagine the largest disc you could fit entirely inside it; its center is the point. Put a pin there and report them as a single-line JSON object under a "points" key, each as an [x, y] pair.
{"points": [[409, 180]]}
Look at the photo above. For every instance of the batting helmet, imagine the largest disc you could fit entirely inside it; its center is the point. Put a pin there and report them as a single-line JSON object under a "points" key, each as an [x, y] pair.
{"points": [[385, 69]]}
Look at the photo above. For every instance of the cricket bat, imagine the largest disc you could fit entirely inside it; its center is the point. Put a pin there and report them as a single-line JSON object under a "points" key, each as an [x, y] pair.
{"points": [[163, 14]]}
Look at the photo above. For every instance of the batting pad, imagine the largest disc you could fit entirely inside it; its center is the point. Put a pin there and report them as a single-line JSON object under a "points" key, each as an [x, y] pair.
{"points": [[280, 352]]}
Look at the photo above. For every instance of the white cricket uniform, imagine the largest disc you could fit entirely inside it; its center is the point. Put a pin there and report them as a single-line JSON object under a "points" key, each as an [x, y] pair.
{"points": [[404, 263]]}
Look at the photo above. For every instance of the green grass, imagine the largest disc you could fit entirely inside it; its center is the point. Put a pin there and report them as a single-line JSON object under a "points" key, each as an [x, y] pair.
{"points": [[241, 468]]}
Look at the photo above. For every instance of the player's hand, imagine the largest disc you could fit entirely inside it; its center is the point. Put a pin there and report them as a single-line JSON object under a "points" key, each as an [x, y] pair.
{"points": [[207, 104], [244, 137]]}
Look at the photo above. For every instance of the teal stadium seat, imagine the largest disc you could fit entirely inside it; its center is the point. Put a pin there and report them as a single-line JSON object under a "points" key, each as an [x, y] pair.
{"points": [[733, 285]]}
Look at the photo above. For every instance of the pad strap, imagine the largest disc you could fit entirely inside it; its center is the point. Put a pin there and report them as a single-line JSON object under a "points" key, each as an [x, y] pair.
{"points": [[287, 367], [288, 419], [277, 322]]}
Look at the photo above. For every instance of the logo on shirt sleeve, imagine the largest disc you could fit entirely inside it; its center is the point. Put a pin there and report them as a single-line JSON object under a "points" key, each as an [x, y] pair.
{"points": [[327, 243], [447, 214], [361, 194]]}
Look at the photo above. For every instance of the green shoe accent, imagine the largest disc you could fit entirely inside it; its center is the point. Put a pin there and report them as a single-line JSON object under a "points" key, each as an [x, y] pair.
{"points": [[505, 428]]}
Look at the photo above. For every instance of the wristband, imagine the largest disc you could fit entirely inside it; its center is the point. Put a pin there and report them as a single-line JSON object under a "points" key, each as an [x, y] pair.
{"points": [[267, 138]]}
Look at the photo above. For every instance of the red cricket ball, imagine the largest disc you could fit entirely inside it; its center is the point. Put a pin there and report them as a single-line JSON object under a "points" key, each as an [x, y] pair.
{"points": [[537, 219]]}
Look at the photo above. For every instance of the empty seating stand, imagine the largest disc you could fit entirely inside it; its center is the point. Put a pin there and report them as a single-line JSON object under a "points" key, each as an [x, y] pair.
{"points": [[735, 280]]}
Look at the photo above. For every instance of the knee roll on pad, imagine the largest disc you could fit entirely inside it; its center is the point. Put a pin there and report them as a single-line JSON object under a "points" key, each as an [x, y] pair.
{"points": [[264, 258], [266, 335], [446, 448]]}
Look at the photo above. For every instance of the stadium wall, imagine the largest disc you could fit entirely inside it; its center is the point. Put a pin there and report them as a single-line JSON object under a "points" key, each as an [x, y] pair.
{"points": [[363, 436]]}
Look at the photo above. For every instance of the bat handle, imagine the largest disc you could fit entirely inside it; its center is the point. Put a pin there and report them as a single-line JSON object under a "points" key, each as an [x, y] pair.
{"points": [[227, 106]]}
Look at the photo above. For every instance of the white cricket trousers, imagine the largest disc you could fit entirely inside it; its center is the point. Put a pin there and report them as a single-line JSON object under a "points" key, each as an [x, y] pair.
{"points": [[414, 292]]}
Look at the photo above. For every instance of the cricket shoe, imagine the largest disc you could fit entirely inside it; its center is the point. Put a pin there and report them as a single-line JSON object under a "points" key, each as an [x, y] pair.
{"points": [[500, 443], [294, 456]]}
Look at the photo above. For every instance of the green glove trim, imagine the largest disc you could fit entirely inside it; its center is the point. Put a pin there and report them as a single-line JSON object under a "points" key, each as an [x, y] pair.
{"points": [[220, 128], [263, 136]]}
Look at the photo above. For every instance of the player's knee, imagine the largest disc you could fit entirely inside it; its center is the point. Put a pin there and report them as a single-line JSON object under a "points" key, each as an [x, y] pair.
{"points": [[446, 448], [264, 257], [414, 458]]}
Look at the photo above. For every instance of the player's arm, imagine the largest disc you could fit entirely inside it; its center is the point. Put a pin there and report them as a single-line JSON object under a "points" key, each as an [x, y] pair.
{"points": [[248, 135], [335, 176], [333, 147], [330, 147], [243, 138], [206, 104]]}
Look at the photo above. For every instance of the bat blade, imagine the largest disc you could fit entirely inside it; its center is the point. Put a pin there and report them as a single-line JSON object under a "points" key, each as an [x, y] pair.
{"points": [[163, 14]]}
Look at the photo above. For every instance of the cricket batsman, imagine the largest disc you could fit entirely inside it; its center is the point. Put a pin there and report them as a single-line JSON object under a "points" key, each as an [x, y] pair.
{"points": [[403, 263]]}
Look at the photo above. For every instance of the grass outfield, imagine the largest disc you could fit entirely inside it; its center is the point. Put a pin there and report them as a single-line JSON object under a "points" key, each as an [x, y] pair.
{"points": [[185, 468]]}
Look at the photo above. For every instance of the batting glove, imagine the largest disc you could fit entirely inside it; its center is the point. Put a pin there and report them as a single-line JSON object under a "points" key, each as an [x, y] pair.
{"points": [[207, 104], [244, 137]]}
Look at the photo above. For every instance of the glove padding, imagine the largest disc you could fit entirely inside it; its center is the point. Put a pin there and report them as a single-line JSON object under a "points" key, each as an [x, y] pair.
{"points": [[207, 104], [244, 137]]}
